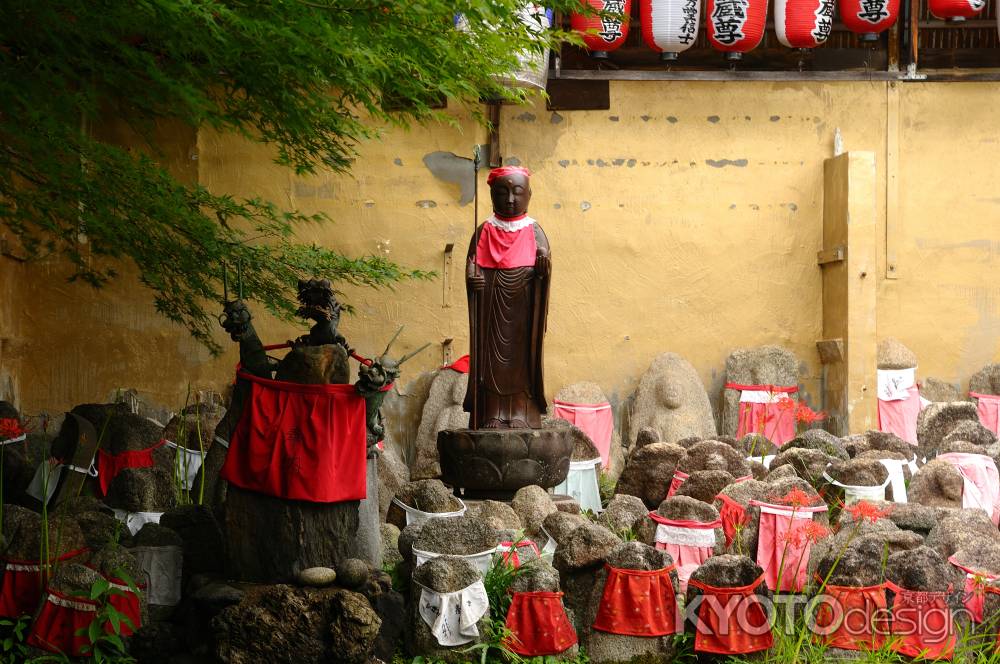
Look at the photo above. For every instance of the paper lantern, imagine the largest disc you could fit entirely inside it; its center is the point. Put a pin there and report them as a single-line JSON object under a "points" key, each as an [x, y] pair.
{"points": [[670, 26], [803, 23], [955, 10], [533, 70], [603, 35], [735, 27], [868, 18]]}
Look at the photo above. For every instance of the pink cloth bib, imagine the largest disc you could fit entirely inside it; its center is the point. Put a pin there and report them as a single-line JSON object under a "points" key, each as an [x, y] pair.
{"points": [[900, 416], [778, 550], [981, 482], [500, 249], [988, 406], [595, 420], [761, 413], [975, 589], [689, 543]]}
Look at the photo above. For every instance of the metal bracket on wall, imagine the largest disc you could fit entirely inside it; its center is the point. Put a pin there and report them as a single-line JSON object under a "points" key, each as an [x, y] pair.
{"points": [[446, 351], [835, 255], [493, 115], [446, 275], [831, 351]]}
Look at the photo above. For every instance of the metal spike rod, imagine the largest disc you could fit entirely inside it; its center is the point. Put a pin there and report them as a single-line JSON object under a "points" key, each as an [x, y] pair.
{"points": [[393, 340], [225, 283], [409, 355], [239, 278]]}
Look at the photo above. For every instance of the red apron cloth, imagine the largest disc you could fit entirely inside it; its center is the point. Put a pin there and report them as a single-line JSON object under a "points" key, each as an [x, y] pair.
{"points": [[974, 596], [61, 625], [595, 420], [900, 417], [126, 604], [980, 481], [109, 465], [852, 617], [539, 624], [511, 554], [21, 588], [500, 249], [731, 621], [299, 442], [733, 515], [779, 549], [638, 603], [680, 477], [689, 543], [988, 407], [461, 365], [773, 422], [922, 623]]}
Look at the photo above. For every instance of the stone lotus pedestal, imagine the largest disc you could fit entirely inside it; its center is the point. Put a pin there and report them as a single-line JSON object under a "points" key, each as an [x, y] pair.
{"points": [[495, 463]]}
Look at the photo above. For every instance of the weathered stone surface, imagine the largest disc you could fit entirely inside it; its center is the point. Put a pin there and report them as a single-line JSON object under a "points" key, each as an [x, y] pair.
{"points": [[74, 578], [713, 455], [685, 508], [772, 491], [605, 647], [818, 439], [532, 504], [114, 560], [392, 475], [858, 545], [497, 515], [390, 544], [460, 535], [586, 546], [922, 568], [756, 445], [583, 447], [559, 525], [759, 470], [971, 432], [442, 410], [781, 473], [425, 495], [203, 541], [315, 365], [936, 484], [100, 528], [22, 530], [766, 365], [937, 421], [705, 485], [649, 435], [727, 571], [648, 472], [981, 557], [317, 577], [444, 574], [143, 490], [536, 577], [986, 380], [193, 428], [498, 462], [961, 529], [624, 513], [808, 464], [892, 354], [858, 472], [885, 442], [407, 537], [912, 516], [286, 625], [153, 534], [670, 398], [935, 389], [352, 573]]}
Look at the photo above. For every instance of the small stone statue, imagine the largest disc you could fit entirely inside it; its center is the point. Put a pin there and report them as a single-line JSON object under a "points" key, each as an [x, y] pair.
{"points": [[508, 271]]}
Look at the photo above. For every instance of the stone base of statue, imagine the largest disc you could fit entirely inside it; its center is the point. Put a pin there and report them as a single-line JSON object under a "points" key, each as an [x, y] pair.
{"points": [[495, 463]]}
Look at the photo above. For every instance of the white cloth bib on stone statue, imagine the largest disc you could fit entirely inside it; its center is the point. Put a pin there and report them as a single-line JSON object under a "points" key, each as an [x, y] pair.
{"points": [[415, 516], [854, 493], [895, 384], [582, 486], [186, 463], [481, 561], [41, 485], [453, 617], [136, 520], [896, 478]]}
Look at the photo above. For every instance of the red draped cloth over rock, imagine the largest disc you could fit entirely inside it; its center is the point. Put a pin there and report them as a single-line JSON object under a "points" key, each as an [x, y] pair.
{"points": [[638, 603], [922, 623], [539, 625], [299, 442], [461, 365], [852, 618], [109, 465], [127, 604], [731, 621], [61, 625], [734, 516], [781, 553], [21, 587]]}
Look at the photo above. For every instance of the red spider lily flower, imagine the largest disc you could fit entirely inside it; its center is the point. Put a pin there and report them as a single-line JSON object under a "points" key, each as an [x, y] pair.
{"points": [[806, 415], [797, 498], [864, 510], [785, 404], [10, 428], [795, 537], [814, 531]]}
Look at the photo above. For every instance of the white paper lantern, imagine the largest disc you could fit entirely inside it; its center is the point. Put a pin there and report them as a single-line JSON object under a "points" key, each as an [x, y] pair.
{"points": [[670, 26]]}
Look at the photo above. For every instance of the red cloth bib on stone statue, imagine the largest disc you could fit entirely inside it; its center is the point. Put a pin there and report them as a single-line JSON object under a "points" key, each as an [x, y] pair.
{"points": [[731, 621], [61, 625], [922, 623], [733, 515], [21, 587], [539, 624], [501, 249], [109, 465], [638, 603], [299, 442], [852, 618]]}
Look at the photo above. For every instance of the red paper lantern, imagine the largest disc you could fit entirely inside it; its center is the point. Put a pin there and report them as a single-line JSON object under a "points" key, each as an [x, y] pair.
{"points": [[803, 23], [735, 26], [602, 35], [868, 18], [955, 10], [670, 26]]}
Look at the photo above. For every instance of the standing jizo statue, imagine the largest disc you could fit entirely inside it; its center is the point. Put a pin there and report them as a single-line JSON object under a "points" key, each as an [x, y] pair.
{"points": [[508, 271]]}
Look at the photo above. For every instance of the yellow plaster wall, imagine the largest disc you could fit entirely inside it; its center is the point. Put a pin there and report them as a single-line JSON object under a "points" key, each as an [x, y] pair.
{"points": [[686, 218]]}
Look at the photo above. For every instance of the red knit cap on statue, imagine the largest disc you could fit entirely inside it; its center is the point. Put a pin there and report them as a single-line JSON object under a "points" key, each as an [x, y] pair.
{"points": [[507, 170]]}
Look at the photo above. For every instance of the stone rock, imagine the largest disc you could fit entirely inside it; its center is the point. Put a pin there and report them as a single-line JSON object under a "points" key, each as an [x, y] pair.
{"points": [[425, 495], [532, 504], [892, 354], [460, 535], [781, 473], [986, 380], [649, 435], [727, 571], [912, 516], [559, 525], [971, 432], [705, 485], [766, 365], [20, 462], [937, 421], [648, 472], [74, 578], [390, 544], [22, 530], [588, 393], [713, 455], [606, 647], [922, 568], [194, 429], [143, 490], [352, 573], [317, 577], [156, 643], [115, 560], [756, 445], [859, 472], [497, 515], [685, 508], [936, 484], [981, 557], [808, 464], [961, 529], [935, 389], [215, 596], [204, 544], [961, 447], [624, 513], [286, 625], [442, 410], [392, 475], [567, 504], [818, 439], [671, 398], [882, 441], [772, 491], [443, 575], [154, 534], [536, 577], [583, 447], [99, 528], [586, 546], [760, 471], [857, 546]]}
